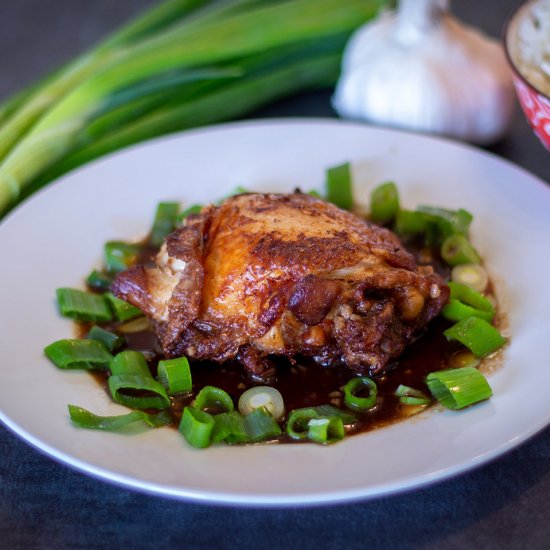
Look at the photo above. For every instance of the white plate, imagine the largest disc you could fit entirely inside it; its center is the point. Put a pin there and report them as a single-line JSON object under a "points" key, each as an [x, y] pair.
{"points": [[56, 237]]}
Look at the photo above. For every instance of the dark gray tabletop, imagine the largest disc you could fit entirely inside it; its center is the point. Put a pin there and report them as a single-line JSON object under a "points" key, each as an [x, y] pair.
{"points": [[43, 504]]}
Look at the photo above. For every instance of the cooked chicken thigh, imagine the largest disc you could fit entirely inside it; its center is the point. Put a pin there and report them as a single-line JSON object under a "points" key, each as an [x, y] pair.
{"points": [[291, 275]]}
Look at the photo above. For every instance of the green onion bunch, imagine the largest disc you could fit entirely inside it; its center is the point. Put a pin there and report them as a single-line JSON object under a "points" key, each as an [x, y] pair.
{"points": [[184, 63]]}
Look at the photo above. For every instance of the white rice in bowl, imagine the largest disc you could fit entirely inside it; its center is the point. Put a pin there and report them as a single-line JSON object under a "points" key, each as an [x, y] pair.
{"points": [[528, 41]]}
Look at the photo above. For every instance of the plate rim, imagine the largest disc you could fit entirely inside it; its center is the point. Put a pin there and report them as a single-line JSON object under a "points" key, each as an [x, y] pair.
{"points": [[318, 498]]}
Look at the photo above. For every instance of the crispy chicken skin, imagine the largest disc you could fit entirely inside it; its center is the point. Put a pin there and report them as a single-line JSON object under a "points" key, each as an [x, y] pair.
{"points": [[267, 274]]}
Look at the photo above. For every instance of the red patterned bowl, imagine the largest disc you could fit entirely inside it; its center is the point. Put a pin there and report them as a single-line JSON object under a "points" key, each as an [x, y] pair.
{"points": [[535, 104]]}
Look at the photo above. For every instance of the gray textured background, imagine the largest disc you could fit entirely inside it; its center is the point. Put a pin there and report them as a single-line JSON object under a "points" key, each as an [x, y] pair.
{"points": [[46, 505]]}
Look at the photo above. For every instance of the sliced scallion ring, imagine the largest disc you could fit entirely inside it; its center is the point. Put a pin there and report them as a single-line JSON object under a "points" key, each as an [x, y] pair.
{"points": [[479, 336], [214, 400], [326, 430], [458, 388], [86, 419], [339, 189], [262, 396], [472, 275], [411, 396], [175, 375], [78, 354], [196, 427], [353, 387]]}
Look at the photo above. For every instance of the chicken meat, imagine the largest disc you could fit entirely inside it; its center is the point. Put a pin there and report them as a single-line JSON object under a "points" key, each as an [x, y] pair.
{"points": [[284, 275]]}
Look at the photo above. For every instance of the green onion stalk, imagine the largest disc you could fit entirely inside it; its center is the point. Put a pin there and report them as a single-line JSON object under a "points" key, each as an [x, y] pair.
{"points": [[197, 48]]}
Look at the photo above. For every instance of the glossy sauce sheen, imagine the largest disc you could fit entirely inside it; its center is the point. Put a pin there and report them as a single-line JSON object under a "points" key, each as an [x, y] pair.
{"points": [[305, 384], [309, 385]]}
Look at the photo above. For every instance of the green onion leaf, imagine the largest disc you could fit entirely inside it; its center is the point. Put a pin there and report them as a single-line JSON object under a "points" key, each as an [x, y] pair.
{"points": [[458, 388], [196, 426], [86, 419], [195, 209], [456, 250], [82, 306], [123, 310], [175, 375], [326, 430], [384, 203], [355, 385], [98, 280], [480, 337], [465, 302], [119, 256], [166, 217], [297, 424], [214, 400], [137, 391], [449, 222], [260, 425], [130, 362], [409, 222], [109, 339], [339, 187], [78, 354], [411, 396], [229, 426]]}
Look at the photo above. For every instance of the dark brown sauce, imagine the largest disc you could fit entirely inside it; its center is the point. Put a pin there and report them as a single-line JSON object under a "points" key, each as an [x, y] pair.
{"points": [[303, 383]]}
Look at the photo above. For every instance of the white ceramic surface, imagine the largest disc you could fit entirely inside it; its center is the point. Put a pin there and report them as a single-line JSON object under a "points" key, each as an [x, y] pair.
{"points": [[56, 237]]}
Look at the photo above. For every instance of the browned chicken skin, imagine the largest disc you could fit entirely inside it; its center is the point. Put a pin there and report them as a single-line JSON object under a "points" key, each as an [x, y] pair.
{"points": [[267, 274]]}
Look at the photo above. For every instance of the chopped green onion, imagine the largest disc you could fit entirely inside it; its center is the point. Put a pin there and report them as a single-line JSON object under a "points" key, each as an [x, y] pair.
{"points": [[458, 388], [262, 396], [297, 423], [229, 426], [130, 362], [109, 339], [411, 396], [456, 250], [314, 193], [196, 426], [78, 354], [132, 384], [466, 302], [166, 217], [260, 425], [326, 430], [213, 399], [384, 203], [472, 275], [329, 411], [409, 222], [339, 187], [99, 281], [175, 375], [138, 391], [119, 255], [323, 424], [480, 337], [449, 222], [86, 419], [82, 306], [195, 209], [356, 403], [123, 310], [52, 120]]}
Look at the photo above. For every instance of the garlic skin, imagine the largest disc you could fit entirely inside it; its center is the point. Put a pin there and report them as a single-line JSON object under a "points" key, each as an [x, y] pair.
{"points": [[421, 69]]}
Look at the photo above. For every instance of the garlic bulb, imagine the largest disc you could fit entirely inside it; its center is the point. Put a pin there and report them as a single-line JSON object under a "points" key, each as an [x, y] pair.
{"points": [[421, 69]]}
